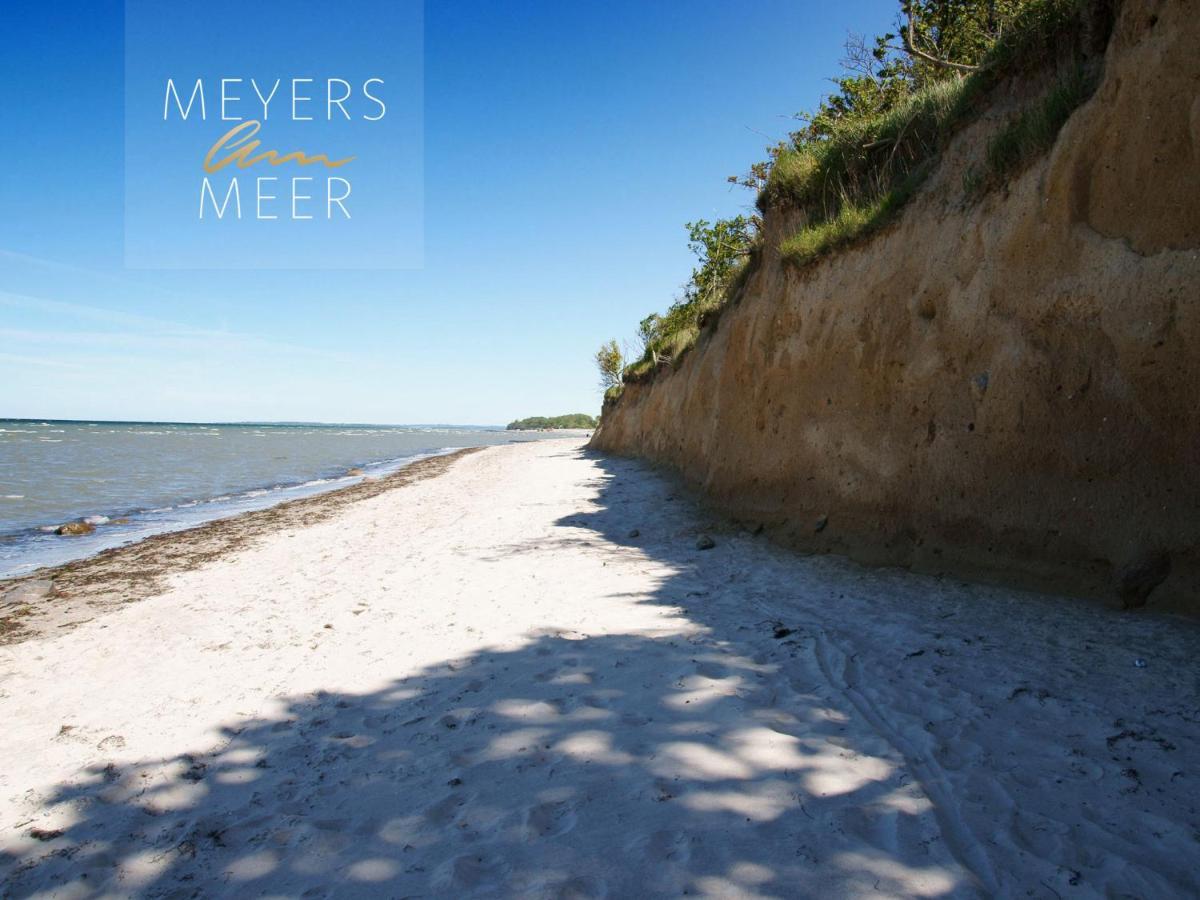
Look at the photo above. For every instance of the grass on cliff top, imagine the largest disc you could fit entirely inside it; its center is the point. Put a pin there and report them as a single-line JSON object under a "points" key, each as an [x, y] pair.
{"points": [[852, 222], [681, 337], [861, 162], [1032, 132], [683, 324], [851, 183]]}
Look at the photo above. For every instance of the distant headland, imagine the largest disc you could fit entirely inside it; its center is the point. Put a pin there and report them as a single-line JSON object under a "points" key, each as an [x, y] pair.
{"points": [[537, 423]]}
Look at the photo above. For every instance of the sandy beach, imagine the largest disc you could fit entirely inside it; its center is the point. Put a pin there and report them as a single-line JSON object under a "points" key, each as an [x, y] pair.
{"points": [[516, 672]]}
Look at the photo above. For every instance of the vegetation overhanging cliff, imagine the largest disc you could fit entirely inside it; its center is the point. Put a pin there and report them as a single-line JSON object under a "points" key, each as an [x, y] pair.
{"points": [[964, 337]]}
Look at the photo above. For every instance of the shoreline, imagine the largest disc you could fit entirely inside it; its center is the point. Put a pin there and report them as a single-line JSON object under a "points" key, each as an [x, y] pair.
{"points": [[143, 479], [115, 576], [135, 525]]}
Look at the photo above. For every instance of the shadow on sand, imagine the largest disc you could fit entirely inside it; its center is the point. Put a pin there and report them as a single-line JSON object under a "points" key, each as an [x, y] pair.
{"points": [[713, 755]]}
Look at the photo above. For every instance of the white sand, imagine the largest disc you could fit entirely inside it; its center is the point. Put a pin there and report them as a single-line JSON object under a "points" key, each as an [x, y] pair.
{"points": [[479, 684]]}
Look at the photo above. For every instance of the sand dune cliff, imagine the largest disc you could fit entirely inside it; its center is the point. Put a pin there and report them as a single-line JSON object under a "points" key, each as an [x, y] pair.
{"points": [[1008, 387]]}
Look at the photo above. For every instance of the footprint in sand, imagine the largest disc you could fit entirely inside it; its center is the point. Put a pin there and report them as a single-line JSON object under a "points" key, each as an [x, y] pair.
{"points": [[712, 670], [446, 810], [577, 887], [112, 742], [668, 846], [873, 826], [582, 889], [471, 870], [71, 733], [552, 819]]}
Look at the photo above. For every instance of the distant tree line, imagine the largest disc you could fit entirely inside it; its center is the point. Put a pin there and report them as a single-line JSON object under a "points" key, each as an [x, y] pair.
{"points": [[533, 423]]}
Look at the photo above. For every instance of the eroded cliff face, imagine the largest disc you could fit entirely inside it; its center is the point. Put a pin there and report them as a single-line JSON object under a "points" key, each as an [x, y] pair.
{"points": [[1007, 389]]}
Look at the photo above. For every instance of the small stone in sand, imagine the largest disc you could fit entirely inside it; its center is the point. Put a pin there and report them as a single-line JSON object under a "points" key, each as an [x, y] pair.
{"points": [[821, 523], [1137, 580], [704, 542]]}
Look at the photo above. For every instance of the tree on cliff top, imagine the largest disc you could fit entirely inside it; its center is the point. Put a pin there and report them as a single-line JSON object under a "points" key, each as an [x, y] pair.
{"points": [[611, 363], [857, 159], [932, 41]]}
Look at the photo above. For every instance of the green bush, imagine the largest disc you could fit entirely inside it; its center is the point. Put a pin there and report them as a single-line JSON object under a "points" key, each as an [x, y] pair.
{"points": [[863, 159], [848, 173], [533, 423], [858, 159], [610, 362], [723, 249]]}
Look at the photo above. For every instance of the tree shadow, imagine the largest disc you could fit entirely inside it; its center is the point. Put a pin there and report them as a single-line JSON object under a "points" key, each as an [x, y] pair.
{"points": [[715, 752], [521, 773]]}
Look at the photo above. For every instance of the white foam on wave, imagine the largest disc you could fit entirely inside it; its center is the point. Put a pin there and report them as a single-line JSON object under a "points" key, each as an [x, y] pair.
{"points": [[42, 547]]}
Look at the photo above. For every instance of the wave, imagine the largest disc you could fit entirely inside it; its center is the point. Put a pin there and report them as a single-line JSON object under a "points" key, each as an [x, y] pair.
{"points": [[144, 487]]}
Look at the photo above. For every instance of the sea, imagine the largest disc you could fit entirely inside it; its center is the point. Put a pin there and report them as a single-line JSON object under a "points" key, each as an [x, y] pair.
{"points": [[136, 479]]}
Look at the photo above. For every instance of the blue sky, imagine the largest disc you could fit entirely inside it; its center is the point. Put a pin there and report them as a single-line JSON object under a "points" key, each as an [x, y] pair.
{"points": [[566, 144]]}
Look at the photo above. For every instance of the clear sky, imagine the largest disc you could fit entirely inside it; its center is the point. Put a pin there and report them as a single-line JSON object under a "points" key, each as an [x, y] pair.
{"points": [[566, 144]]}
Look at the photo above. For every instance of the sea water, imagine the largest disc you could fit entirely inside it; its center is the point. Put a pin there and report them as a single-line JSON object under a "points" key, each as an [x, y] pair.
{"points": [[166, 476]]}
